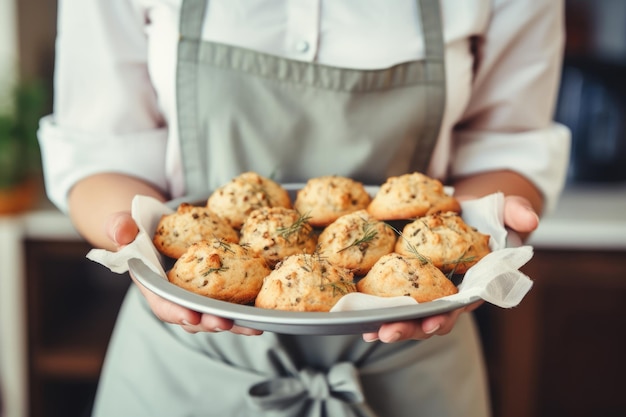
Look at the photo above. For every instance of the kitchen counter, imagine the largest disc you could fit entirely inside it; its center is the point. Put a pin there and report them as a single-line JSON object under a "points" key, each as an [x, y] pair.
{"points": [[587, 217]]}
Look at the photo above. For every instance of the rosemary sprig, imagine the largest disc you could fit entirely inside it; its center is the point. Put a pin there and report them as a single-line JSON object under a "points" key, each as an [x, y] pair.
{"points": [[224, 245], [369, 234], [336, 287], [423, 259], [212, 270], [461, 260], [302, 221], [308, 262]]}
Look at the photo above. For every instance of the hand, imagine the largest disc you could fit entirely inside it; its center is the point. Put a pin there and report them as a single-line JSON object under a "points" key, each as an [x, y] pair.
{"points": [[122, 230], [518, 216]]}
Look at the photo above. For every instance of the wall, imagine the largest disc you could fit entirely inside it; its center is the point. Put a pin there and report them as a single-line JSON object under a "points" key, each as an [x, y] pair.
{"points": [[36, 29], [8, 53]]}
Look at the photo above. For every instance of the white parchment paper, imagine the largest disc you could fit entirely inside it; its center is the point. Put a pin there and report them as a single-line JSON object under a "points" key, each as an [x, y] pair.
{"points": [[496, 278]]}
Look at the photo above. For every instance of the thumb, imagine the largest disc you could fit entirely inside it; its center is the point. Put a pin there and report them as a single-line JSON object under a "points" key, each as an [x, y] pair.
{"points": [[519, 214], [121, 228]]}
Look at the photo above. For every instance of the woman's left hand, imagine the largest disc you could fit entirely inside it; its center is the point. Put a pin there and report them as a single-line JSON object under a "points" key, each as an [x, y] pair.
{"points": [[518, 216]]}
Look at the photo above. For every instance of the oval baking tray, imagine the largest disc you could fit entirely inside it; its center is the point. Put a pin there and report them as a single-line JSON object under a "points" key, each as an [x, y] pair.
{"points": [[287, 322], [279, 321]]}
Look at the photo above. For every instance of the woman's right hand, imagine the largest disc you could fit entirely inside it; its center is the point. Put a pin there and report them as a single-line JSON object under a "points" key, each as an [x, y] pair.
{"points": [[121, 229]]}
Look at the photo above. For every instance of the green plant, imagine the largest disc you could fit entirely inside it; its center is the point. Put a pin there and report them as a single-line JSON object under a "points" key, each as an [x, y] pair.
{"points": [[19, 149]]}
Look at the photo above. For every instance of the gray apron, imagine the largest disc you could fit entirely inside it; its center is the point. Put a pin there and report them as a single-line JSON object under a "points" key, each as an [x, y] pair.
{"points": [[241, 110]]}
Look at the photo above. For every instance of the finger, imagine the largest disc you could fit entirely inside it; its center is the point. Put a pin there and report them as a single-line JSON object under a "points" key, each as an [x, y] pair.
{"points": [[245, 331], [166, 310], [406, 330], [425, 328], [191, 321], [215, 324], [121, 228], [473, 306], [398, 331], [519, 214], [208, 323], [441, 324]]}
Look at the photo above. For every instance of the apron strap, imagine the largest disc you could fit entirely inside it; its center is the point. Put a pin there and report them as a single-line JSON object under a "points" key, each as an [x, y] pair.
{"points": [[190, 29], [434, 49], [191, 18], [430, 14]]}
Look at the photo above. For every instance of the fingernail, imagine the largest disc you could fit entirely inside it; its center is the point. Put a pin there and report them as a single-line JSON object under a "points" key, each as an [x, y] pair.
{"points": [[217, 330], [185, 323], [432, 330], [116, 230], [115, 236], [370, 338], [536, 216]]}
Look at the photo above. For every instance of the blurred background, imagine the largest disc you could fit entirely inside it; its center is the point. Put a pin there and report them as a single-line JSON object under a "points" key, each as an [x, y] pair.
{"points": [[560, 353]]}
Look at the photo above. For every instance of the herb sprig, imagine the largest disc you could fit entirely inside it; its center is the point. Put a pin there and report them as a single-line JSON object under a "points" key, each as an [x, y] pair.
{"points": [[423, 259], [369, 234], [301, 221]]}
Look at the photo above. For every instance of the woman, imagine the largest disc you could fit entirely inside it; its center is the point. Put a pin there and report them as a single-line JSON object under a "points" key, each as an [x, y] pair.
{"points": [[167, 98]]}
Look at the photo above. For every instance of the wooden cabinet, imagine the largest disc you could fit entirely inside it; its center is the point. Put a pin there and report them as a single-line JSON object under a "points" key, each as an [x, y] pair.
{"points": [[71, 304], [561, 352]]}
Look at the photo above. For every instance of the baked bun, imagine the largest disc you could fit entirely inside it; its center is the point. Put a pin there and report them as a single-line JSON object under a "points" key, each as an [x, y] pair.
{"points": [[409, 196], [445, 239], [356, 241], [175, 232], [400, 275], [248, 191], [220, 270], [304, 282], [277, 232], [325, 199]]}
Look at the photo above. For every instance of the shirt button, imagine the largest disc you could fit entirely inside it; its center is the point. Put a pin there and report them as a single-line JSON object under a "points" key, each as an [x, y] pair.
{"points": [[302, 46]]}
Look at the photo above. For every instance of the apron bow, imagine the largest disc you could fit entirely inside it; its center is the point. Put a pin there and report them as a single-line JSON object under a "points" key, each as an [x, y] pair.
{"points": [[341, 383]]}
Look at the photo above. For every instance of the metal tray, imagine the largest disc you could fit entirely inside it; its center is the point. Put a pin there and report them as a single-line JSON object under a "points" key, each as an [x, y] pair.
{"points": [[302, 323]]}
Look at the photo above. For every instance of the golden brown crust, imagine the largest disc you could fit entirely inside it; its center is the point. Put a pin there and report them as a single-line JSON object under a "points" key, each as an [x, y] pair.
{"points": [[175, 232], [248, 191], [409, 196], [400, 275], [356, 241], [324, 199], [227, 249], [444, 238], [304, 283], [220, 270], [277, 232]]}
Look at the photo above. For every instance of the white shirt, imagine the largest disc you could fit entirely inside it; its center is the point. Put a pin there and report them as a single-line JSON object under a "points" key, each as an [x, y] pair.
{"points": [[115, 107]]}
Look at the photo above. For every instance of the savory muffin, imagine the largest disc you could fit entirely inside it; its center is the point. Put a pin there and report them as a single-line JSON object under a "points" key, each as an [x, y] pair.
{"points": [[221, 270], [402, 275], [248, 191], [409, 196], [444, 238], [304, 282], [277, 232], [356, 241], [175, 232], [325, 199]]}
